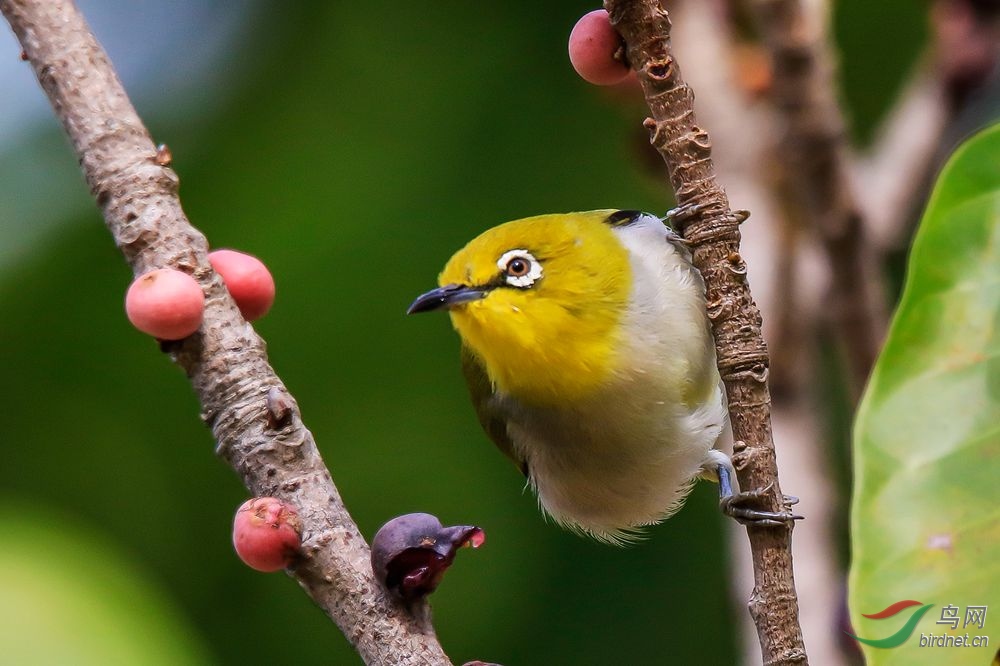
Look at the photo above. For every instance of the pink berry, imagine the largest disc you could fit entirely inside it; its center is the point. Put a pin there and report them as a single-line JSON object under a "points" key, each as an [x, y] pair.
{"points": [[266, 534], [592, 47], [248, 281], [165, 303]]}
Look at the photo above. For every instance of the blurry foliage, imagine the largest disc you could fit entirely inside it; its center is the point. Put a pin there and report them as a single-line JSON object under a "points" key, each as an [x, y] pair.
{"points": [[68, 598], [355, 147]]}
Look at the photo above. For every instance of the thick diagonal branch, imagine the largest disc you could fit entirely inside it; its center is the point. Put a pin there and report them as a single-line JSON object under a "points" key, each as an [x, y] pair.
{"points": [[253, 418], [713, 231]]}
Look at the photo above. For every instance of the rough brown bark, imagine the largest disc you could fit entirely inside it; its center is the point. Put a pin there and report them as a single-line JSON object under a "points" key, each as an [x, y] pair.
{"points": [[713, 231], [814, 159], [253, 418]]}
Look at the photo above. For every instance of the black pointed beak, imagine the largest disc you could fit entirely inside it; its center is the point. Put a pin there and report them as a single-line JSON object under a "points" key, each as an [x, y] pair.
{"points": [[447, 296]]}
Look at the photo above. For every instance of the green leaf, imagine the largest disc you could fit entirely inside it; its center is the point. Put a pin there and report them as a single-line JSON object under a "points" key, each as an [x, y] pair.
{"points": [[925, 522]]}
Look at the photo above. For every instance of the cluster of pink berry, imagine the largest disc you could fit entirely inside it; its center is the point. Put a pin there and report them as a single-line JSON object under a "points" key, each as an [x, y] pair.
{"points": [[169, 304]]}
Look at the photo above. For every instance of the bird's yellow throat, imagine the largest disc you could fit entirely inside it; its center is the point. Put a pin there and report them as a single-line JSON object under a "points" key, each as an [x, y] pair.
{"points": [[557, 341]]}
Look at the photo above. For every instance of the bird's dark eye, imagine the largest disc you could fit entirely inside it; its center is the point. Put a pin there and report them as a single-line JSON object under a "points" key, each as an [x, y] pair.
{"points": [[518, 267]]}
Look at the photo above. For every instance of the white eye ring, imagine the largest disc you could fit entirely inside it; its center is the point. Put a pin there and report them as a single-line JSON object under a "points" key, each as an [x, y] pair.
{"points": [[525, 279]]}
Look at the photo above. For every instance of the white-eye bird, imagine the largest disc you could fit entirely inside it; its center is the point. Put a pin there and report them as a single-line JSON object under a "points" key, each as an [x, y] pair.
{"points": [[589, 358]]}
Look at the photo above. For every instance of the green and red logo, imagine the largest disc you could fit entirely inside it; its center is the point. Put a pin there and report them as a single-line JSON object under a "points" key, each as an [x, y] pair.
{"points": [[904, 632]]}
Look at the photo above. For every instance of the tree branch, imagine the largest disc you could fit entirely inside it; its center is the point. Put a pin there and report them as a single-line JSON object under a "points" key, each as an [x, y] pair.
{"points": [[814, 151], [898, 167], [714, 235], [253, 418]]}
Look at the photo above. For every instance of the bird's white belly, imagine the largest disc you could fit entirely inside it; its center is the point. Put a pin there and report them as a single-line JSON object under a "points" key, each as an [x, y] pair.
{"points": [[623, 459]]}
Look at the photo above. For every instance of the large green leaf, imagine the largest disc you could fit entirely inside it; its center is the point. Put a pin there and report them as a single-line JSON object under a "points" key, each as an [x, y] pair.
{"points": [[926, 510]]}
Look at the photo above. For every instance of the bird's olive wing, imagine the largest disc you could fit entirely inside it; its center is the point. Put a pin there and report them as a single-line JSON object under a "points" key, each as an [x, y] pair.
{"points": [[490, 410]]}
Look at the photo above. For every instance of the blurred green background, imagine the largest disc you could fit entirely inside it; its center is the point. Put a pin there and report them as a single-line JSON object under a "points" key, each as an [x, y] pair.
{"points": [[353, 147]]}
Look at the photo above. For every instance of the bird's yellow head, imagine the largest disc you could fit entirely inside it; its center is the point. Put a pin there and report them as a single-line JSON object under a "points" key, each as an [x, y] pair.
{"points": [[540, 301]]}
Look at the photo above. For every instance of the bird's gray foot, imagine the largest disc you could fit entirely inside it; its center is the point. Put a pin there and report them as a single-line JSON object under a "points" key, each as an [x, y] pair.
{"points": [[735, 505], [681, 214]]}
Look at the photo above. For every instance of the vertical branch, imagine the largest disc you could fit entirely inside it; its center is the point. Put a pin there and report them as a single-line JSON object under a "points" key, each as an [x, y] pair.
{"points": [[713, 231], [813, 150], [898, 169], [253, 418]]}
